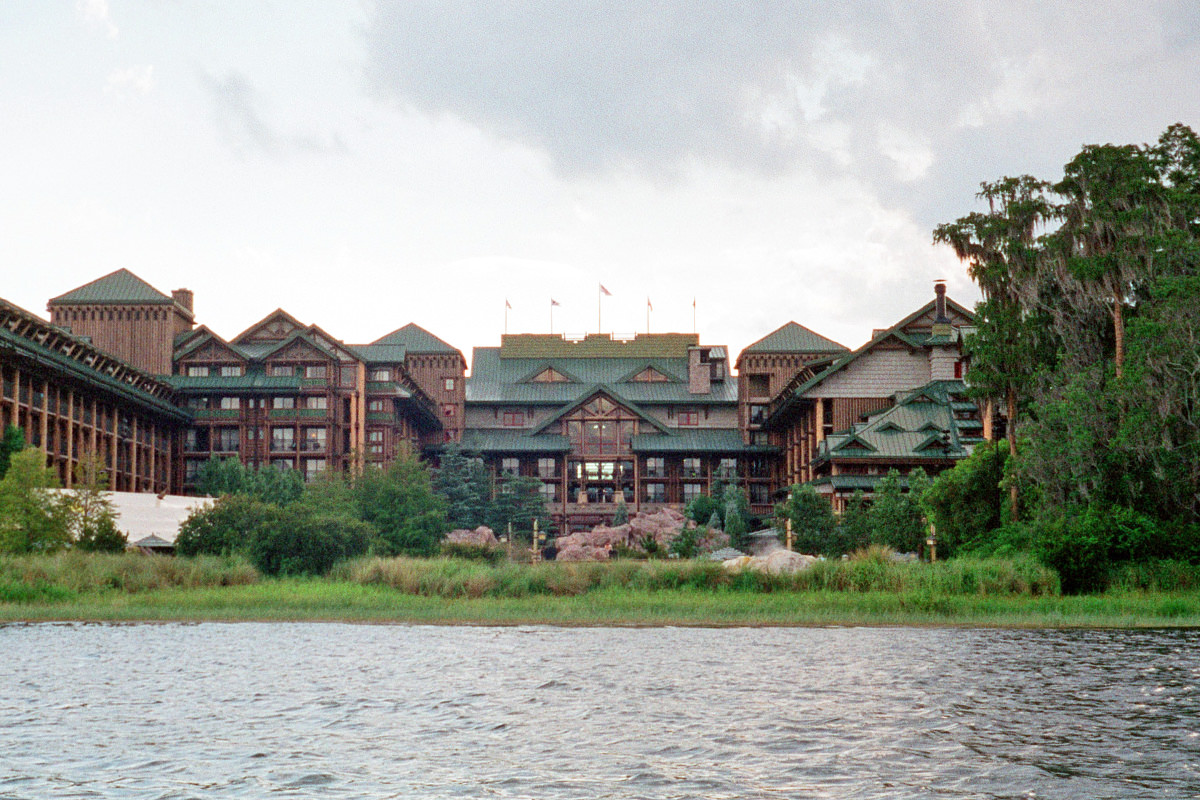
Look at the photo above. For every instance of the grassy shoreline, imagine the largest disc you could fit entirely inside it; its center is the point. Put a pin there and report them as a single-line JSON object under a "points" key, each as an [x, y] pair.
{"points": [[80, 588]]}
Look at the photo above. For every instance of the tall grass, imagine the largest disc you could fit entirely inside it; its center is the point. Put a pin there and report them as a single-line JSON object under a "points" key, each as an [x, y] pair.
{"points": [[451, 578], [56, 577]]}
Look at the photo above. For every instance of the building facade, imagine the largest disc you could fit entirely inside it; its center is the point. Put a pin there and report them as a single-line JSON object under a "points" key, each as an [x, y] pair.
{"points": [[658, 419]]}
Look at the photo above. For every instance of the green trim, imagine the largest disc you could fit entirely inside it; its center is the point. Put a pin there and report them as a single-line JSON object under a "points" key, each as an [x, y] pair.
{"points": [[217, 413], [380, 416], [312, 413], [281, 413]]}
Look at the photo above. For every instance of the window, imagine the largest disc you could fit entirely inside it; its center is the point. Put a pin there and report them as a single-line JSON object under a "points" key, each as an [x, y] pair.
{"points": [[191, 469], [381, 375], [282, 464], [691, 468], [656, 468], [447, 409], [688, 417], [758, 385], [727, 468], [512, 466], [314, 371], [374, 436], [282, 370], [313, 467], [231, 403], [758, 415], [318, 403], [550, 492], [254, 433], [196, 440], [313, 439], [283, 402], [194, 403], [375, 405], [759, 494], [514, 419], [827, 414], [283, 439], [691, 491], [449, 383], [959, 369], [232, 371], [226, 440], [656, 493], [547, 467], [197, 372]]}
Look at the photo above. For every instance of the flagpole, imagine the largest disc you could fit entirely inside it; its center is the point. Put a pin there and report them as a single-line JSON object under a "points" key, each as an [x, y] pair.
{"points": [[648, 315], [693, 315], [506, 307], [599, 305], [551, 315]]}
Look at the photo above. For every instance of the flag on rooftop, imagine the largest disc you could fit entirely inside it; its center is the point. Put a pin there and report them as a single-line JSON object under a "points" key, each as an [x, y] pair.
{"points": [[507, 304], [554, 302], [649, 305], [605, 291]]}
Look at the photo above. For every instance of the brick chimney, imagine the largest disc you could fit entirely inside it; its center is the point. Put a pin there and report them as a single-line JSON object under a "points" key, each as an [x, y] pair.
{"points": [[939, 288], [183, 297]]}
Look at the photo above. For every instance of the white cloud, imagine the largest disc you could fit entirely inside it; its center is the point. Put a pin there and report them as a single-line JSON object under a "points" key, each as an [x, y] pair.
{"points": [[96, 12], [130, 81]]}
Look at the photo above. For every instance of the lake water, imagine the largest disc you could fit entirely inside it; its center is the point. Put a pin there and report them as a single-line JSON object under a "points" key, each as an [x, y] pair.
{"points": [[371, 711]]}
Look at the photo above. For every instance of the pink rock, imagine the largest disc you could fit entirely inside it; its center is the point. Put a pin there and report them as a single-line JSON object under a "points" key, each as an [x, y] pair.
{"points": [[480, 536]]}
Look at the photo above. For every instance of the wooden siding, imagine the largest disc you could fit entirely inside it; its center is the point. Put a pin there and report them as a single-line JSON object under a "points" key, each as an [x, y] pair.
{"points": [[141, 335], [879, 373]]}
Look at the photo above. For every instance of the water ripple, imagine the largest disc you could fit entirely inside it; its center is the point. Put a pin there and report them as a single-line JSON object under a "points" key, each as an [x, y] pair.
{"points": [[350, 711]]}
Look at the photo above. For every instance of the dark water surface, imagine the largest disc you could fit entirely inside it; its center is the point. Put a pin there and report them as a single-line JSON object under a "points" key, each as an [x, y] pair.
{"points": [[339, 711]]}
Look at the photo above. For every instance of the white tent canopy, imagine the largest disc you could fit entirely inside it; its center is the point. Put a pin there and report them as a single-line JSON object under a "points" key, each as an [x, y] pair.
{"points": [[152, 521]]}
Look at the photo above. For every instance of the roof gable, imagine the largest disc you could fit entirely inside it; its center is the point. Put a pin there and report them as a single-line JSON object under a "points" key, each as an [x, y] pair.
{"points": [[274, 327], [416, 340], [793, 337], [210, 348], [121, 286], [608, 394]]}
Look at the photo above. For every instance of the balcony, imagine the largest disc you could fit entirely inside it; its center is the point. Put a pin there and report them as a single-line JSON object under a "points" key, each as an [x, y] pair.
{"points": [[380, 416], [281, 413], [312, 383], [381, 387], [217, 413], [312, 413], [312, 447]]}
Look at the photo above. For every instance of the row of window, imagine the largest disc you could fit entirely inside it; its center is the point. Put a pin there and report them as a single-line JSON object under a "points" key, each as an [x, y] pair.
{"points": [[311, 466], [652, 467], [237, 370], [316, 402], [228, 439]]}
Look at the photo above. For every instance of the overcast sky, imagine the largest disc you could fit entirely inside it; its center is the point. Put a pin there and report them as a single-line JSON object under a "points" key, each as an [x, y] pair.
{"points": [[364, 165]]}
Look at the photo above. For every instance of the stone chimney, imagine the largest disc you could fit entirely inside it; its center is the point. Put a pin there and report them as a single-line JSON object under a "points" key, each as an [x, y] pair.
{"points": [[941, 322], [699, 371]]}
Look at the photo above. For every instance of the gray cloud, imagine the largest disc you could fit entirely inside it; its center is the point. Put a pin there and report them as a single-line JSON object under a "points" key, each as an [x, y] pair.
{"points": [[237, 109], [921, 100]]}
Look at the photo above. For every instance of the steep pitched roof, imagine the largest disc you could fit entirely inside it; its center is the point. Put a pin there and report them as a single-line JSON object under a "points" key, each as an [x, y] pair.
{"points": [[795, 338], [121, 286], [417, 340], [274, 326]]}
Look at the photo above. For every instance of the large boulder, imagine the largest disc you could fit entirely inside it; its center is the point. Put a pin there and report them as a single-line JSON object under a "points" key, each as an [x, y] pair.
{"points": [[482, 535], [783, 562]]}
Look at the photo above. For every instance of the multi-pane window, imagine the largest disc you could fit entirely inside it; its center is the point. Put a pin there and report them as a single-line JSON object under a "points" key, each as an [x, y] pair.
{"points": [[231, 402], [282, 370], [196, 440], [282, 463], [514, 419], [381, 374], [313, 439], [283, 439], [375, 443], [760, 494], [551, 492], [688, 417], [656, 468], [691, 468], [283, 402], [547, 467], [375, 405], [313, 467], [191, 469], [512, 466], [727, 468], [656, 492], [197, 372], [225, 440], [314, 371], [197, 403], [691, 491], [320, 402], [449, 384], [232, 371], [758, 415]]}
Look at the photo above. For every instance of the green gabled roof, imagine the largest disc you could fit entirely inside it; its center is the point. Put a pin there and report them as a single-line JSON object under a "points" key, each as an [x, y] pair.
{"points": [[698, 440], [121, 286], [539, 369], [250, 382], [202, 337], [493, 441], [795, 338], [911, 430], [416, 340], [380, 353], [505, 381], [658, 366], [598, 389], [596, 345]]}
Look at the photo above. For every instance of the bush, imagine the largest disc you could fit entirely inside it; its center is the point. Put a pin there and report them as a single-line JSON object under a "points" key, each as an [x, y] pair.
{"points": [[102, 537], [965, 501], [1077, 546], [687, 543], [896, 518], [488, 554], [813, 523], [303, 543], [227, 526]]}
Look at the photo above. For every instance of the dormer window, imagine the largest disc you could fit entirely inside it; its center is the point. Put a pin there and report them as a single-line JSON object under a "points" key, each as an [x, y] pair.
{"points": [[551, 375]]}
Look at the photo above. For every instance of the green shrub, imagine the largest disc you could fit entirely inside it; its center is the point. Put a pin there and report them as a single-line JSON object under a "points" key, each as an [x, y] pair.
{"points": [[489, 554], [303, 543], [1078, 547], [227, 526], [813, 524], [102, 537], [686, 543]]}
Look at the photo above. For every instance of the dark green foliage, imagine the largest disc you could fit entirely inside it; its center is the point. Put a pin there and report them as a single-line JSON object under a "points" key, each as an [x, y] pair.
{"points": [[102, 536], [227, 526], [621, 517], [965, 502], [702, 509], [400, 504], [223, 476], [518, 503], [302, 542], [461, 480], [687, 543], [1084, 543], [12, 443], [488, 554], [896, 516], [813, 523], [32, 519], [854, 528], [714, 521], [735, 507]]}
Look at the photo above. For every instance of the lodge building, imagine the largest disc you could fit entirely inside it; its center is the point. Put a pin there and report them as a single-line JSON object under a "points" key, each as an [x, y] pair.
{"points": [[123, 370]]}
